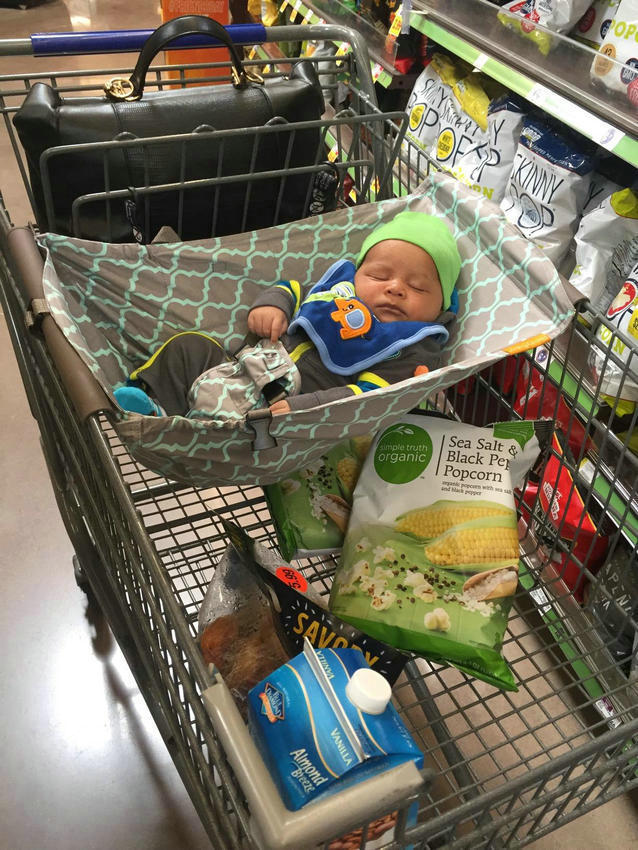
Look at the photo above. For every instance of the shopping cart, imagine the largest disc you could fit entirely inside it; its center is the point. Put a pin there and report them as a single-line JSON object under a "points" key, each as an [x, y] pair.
{"points": [[500, 769]]}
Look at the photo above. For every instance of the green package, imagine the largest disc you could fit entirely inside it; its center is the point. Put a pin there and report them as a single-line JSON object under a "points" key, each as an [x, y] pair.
{"points": [[430, 559], [311, 508]]}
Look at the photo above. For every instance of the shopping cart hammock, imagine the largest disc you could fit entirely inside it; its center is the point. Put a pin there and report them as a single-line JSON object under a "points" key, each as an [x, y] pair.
{"points": [[116, 304]]}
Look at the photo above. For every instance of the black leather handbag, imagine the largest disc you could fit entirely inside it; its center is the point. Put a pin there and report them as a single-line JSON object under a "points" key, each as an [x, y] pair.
{"points": [[132, 170]]}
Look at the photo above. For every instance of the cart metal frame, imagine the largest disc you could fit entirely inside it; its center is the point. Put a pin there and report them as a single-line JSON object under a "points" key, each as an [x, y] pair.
{"points": [[501, 769]]}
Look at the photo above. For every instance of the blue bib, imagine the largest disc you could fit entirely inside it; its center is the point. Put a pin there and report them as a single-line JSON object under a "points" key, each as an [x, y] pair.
{"points": [[348, 337]]}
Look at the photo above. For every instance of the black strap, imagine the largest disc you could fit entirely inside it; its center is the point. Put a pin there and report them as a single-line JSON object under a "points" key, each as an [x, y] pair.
{"points": [[274, 391], [163, 35]]}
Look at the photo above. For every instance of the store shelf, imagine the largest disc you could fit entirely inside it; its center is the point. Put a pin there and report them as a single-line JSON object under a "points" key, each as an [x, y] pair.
{"points": [[573, 629], [558, 83], [617, 502], [334, 12]]}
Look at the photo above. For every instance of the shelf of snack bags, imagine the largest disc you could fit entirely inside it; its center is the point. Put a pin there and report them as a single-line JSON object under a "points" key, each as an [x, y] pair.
{"points": [[566, 78], [580, 508], [383, 50]]}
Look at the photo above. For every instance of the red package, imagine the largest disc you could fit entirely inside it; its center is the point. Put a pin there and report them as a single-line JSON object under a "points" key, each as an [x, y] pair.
{"points": [[564, 507], [537, 398]]}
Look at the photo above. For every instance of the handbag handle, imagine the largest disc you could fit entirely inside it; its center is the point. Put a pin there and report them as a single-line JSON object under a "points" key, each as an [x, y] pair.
{"points": [[121, 88]]}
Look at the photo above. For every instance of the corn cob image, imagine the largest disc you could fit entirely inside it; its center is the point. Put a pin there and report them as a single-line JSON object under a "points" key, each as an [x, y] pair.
{"points": [[362, 445], [480, 541], [348, 469], [440, 516]]}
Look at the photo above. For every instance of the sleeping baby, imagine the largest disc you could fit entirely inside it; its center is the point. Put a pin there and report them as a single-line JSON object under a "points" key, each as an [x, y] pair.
{"points": [[361, 327]]}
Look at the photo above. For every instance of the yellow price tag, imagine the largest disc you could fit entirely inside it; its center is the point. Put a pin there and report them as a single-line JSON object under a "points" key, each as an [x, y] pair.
{"points": [[343, 48], [353, 195], [333, 153], [282, 8], [395, 29]]}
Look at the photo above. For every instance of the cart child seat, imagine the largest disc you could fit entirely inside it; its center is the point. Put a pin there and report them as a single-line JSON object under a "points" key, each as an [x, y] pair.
{"points": [[116, 304]]}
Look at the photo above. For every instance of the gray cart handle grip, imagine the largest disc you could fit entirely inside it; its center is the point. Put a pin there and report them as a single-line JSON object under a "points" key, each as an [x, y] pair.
{"points": [[86, 395], [274, 826]]}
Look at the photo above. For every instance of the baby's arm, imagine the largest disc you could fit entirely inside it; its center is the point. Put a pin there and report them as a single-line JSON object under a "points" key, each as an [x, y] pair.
{"points": [[267, 322], [306, 401], [415, 360]]}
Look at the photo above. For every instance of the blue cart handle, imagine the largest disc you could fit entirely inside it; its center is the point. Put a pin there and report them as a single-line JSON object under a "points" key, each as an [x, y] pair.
{"points": [[132, 41]]}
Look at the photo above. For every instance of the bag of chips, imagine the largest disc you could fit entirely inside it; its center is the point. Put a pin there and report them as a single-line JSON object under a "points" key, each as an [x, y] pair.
{"points": [[430, 559]]}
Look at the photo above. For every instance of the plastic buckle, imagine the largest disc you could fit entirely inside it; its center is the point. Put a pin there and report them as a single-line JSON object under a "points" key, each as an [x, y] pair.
{"points": [[273, 392], [37, 310], [259, 423]]}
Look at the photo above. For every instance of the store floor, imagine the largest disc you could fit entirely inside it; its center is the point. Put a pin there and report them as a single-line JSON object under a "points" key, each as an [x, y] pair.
{"points": [[83, 766]]}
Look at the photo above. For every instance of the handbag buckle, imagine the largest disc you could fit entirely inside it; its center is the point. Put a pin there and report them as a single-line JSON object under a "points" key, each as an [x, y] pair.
{"points": [[240, 79], [120, 88]]}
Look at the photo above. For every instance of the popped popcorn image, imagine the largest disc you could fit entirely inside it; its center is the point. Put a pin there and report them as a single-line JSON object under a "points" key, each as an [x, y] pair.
{"points": [[289, 485], [383, 553], [413, 579], [362, 545], [373, 586], [425, 592], [360, 569], [381, 573], [437, 620], [316, 508], [312, 470], [383, 600]]}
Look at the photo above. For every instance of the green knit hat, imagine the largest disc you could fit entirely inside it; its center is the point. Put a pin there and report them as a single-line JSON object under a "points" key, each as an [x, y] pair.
{"points": [[429, 233]]}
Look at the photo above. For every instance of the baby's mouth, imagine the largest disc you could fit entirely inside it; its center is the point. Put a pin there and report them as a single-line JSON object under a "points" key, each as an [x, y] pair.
{"points": [[390, 309]]}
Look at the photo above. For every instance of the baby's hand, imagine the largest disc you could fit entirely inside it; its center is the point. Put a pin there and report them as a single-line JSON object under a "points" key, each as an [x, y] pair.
{"points": [[267, 322], [280, 407]]}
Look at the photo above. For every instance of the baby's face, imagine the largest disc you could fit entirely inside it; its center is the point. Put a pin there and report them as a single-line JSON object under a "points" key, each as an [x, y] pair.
{"points": [[399, 282]]}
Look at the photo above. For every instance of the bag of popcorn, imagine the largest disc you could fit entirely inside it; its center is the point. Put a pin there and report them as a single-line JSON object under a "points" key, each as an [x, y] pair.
{"points": [[478, 137], [548, 187], [594, 25], [600, 233], [619, 380], [430, 559], [616, 66], [553, 15], [310, 508], [431, 91]]}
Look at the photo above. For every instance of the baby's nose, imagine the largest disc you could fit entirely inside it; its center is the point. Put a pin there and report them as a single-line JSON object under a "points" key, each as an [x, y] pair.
{"points": [[395, 286]]}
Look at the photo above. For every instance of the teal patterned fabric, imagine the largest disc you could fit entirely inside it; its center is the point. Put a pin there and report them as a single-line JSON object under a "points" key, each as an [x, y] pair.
{"points": [[116, 304]]}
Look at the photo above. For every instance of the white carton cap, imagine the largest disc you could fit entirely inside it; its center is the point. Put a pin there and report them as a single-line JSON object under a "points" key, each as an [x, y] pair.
{"points": [[369, 691]]}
